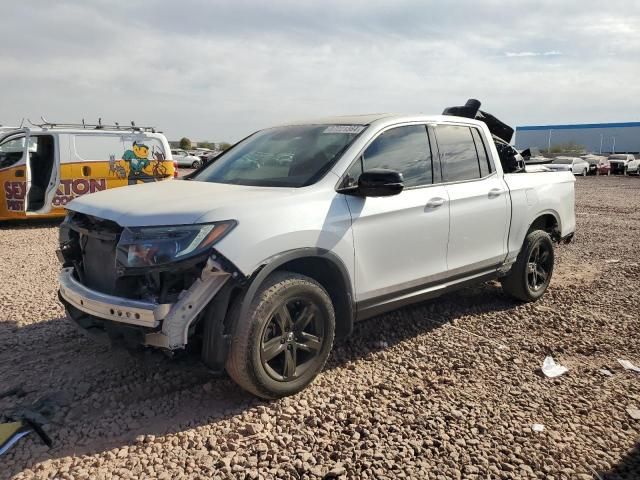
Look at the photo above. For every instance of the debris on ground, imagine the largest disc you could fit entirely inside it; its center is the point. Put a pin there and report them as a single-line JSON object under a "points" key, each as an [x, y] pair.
{"points": [[537, 427], [11, 432], [634, 413], [627, 365], [606, 372], [552, 369]]}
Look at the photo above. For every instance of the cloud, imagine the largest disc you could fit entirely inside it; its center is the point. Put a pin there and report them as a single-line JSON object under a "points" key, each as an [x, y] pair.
{"points": [[551, 53], [215, 70]]}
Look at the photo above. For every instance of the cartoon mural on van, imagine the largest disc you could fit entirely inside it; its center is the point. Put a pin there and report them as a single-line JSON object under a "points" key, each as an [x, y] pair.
{"points": [[138, 161], [61, 163]]}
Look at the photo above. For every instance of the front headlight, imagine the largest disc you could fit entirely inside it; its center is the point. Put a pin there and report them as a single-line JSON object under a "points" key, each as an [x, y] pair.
{"points": [[155, 246]]}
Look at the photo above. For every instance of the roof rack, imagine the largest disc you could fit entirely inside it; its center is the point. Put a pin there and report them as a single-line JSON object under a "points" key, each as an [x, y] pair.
{"points": [[93, 126]]}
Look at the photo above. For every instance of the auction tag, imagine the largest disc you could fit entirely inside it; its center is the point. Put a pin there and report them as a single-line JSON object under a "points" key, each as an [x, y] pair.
{"points": [[344, 129]]}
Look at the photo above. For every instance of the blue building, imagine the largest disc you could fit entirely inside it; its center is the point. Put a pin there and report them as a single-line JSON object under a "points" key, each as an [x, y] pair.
{"points": [[594, 137]]}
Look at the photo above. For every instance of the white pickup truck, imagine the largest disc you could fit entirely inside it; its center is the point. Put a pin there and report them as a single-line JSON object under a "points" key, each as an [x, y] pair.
{"points": [[262, 258]]}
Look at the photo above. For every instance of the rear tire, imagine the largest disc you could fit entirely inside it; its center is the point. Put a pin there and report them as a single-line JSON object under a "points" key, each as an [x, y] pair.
{"points": [[285, 339], [530, 275], [195, 164]]}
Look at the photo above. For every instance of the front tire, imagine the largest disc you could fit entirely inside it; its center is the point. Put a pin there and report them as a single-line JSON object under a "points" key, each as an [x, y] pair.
{"points": [[531, 274], [285, 339]]}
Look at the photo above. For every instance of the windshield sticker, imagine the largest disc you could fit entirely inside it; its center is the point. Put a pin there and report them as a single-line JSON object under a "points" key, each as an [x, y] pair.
{"points": [[344, 129]]}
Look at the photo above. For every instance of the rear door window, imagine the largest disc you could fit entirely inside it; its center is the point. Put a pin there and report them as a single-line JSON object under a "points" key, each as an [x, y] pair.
{"points": [[486, 167], [403, 149], [458, 154]]}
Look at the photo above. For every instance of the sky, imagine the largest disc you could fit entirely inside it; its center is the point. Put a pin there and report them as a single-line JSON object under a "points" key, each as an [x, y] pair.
{"points": [[217, 71]]}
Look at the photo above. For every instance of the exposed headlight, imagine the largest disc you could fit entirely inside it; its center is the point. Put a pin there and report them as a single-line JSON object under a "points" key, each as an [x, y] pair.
{"points": [[155, 246]]}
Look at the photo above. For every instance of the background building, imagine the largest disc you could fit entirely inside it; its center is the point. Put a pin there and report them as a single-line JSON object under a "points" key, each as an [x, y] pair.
{"points": [[594, 137]]}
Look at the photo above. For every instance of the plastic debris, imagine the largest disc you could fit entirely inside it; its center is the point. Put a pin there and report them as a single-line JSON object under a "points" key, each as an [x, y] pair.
{"points": [[627, 365], [11, 432], [612, 260], [634, 413], [606, 372], [552, 369], [537, 427]]}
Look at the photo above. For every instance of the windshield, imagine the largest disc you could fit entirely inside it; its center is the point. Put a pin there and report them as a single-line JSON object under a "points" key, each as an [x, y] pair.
{"points": [[293, 156], [563, 161], [618, 157]]}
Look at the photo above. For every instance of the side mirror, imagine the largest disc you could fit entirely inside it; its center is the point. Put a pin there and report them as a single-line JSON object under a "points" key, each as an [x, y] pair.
{"points": [[379, 183]]}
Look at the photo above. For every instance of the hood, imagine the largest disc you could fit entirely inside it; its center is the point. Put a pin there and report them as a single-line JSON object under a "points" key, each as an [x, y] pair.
{"points": [[174, 202]]}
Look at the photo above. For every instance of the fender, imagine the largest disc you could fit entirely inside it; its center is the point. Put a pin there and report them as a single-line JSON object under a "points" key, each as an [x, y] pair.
{"points": [[271, 264], [542, 213]]}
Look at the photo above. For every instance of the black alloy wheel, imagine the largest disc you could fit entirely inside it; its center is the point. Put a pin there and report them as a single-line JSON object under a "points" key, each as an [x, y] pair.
{"points": [[292, 339], [531, 274], [539, 266], [284, 339]]}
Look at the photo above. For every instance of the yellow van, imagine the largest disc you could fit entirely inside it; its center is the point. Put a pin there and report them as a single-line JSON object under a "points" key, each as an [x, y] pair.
{"points": [[45, 167]]}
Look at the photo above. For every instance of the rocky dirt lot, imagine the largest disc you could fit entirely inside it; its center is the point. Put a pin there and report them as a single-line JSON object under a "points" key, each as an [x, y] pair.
{"points": [[446, 389]]}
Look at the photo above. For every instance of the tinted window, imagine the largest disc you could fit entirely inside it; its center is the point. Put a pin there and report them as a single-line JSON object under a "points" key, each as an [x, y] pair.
{"points": [[485, 164], [405, 150], [458, 154]]}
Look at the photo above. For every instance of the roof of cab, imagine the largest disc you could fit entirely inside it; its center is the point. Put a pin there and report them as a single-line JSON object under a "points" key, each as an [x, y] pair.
{"points": [[368, 119]]}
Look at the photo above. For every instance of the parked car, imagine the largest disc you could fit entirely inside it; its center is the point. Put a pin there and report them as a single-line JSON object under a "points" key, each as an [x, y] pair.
{"points": [[633, 167], [209, 156], [269, 253], [185, 159], [575, 165], [620, 163], [598, 165], [44, 167]]}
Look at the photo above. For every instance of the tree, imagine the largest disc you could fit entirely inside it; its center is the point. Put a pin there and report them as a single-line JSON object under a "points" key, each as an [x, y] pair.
{"points": [[209, 145], [224, 146], [185, 143], [568, 148]]}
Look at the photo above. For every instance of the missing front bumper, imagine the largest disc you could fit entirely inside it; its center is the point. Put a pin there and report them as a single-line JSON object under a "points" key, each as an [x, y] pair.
{"points": [[109, 307], [174, 318]]}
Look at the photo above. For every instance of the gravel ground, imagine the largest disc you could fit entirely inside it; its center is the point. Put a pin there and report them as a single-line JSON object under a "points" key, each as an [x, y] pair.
{"points": [[447, 389]]}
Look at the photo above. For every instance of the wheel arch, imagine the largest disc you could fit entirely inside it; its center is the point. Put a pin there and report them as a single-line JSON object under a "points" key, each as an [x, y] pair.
{"points": [[549, 221], [323, 266]]}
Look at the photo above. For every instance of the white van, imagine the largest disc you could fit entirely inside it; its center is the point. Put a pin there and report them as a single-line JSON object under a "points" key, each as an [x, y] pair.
{"points": [[44, 168]]}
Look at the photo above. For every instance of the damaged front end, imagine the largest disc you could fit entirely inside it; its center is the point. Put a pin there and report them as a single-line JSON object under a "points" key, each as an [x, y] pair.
{"points": [[146, 286]]}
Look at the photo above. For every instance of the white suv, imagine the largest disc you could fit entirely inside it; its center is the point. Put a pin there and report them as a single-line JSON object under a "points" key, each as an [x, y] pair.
{"points": [[268, 254]]}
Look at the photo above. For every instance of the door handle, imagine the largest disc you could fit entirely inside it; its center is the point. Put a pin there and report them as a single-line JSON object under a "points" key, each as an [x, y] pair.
{"points": [[86, 171], [435, 202], [19, 173], [495, 192]]}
